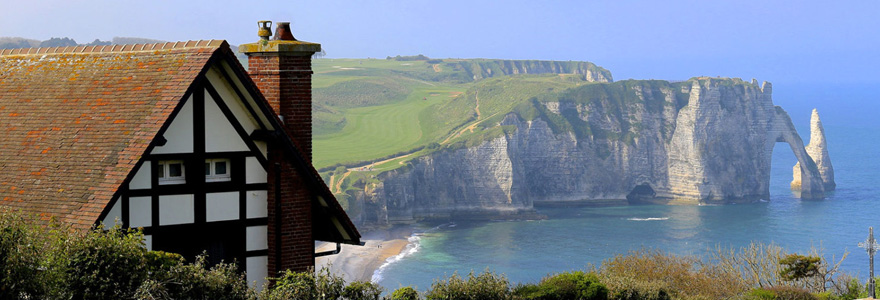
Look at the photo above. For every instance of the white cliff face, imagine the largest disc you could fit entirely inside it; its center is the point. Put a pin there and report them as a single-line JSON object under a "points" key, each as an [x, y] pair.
{"points": [[703, 141], [818, 151]]}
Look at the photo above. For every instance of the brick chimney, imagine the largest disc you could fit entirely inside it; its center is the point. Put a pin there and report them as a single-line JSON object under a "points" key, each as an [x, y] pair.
{"points": [[282, 69]]}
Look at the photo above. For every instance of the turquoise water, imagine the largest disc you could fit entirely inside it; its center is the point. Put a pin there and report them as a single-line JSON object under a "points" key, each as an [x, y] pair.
{"points": [[574, 238]]}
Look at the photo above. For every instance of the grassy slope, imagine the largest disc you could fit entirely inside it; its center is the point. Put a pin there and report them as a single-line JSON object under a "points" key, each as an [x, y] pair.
{"points": [[386, 116], [375, 111]]}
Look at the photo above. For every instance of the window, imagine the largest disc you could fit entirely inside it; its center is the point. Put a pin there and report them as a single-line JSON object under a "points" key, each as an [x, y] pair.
{"points": [[171, 172], [217, 169]]}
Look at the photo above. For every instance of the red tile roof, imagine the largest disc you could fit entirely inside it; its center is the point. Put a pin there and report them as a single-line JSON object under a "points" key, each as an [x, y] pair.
{"points": [[75, 120]]}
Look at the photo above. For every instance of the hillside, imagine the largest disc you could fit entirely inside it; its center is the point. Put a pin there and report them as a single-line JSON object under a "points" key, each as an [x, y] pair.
{"points": [[371, 109], [372, 116], [404, 140], [18, 42]]}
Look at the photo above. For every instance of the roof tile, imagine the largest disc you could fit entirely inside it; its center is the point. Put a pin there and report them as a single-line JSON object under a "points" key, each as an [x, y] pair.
{"points": [[76, 120]]}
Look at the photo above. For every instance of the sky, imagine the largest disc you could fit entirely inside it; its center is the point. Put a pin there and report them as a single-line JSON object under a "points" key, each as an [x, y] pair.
{"points": [[777, 41]]}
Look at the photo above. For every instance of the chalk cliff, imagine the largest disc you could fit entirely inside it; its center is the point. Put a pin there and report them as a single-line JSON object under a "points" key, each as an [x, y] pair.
{"points": [[818, 151], [705, 140], [485, 68]]}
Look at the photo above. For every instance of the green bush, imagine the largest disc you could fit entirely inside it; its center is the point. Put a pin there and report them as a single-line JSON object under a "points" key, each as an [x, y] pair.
{"points": [[780, 293], [361, 290], [328, 286], [760, 294], [20, 258], [405, 293], [563, 286], [632, 288], [173, 278], [792, 293], [485, 286], [851, 289], [103, 265], [291, 285]]}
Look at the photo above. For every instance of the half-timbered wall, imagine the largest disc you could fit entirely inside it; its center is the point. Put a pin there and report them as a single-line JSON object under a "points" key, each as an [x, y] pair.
{"points": [[223, 214]]}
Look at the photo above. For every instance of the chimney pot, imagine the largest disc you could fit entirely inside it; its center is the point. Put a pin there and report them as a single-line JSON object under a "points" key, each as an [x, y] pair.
{"points": [[283, 33], [265, 29]]}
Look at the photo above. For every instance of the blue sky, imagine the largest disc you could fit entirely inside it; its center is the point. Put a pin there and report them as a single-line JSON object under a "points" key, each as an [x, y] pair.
{"points": [[779, 41]]}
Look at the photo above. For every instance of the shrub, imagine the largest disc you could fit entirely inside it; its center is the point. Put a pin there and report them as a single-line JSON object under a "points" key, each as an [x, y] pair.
{"points": [[780, 293], [328, 286], [405, 293], [102, 265], [569, 285], [631, 288], [760, 294], [360, 290], [680, 276], [485, 286], [291, 285], [173, 278], [20, 258], [853, 289]]}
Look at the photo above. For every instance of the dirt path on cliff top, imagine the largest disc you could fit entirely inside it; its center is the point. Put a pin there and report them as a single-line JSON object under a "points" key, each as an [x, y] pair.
{"points": [[473, 125], [338, 184]]}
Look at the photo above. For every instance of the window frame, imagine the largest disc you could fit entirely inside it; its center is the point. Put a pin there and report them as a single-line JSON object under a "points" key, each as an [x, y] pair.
{"points": [[164, 172], [212, 175]]}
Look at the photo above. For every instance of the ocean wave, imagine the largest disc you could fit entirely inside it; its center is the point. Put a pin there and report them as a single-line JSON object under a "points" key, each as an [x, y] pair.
{"points": [[649, 219], [412, 247]]}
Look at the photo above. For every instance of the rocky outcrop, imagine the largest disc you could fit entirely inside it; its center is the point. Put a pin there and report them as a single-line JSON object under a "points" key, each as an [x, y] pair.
{"points": [[818, 151], [705, 140]]}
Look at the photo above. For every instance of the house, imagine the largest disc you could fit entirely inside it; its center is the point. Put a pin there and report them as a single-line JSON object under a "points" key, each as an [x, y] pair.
{"points": [[177, 139]]}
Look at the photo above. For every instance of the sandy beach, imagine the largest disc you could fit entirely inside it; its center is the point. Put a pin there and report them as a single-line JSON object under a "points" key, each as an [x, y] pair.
{"points": [[359, 262]]}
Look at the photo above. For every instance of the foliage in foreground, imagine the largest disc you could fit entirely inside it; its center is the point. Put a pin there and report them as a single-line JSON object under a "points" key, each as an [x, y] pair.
{"points": [[569, 285], [46, 260]]}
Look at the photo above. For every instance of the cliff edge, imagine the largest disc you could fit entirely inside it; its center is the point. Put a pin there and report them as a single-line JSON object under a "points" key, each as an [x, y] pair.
{"points": [[704, 140]]}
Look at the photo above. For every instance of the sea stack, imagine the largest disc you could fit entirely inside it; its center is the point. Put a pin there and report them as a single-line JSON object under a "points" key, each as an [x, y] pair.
{"points": [[818, 151]]}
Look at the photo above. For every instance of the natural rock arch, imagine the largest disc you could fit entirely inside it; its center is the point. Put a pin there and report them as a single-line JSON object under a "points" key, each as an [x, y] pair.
{"points": [[782, 130]]}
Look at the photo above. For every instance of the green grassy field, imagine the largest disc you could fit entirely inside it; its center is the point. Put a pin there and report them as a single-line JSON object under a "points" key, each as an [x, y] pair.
{"points": [[372, 108], [376, 131], [376, 111]]}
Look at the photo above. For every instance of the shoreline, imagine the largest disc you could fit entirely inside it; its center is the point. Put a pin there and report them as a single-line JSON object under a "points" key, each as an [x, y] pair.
{"points": [[359, 263]]}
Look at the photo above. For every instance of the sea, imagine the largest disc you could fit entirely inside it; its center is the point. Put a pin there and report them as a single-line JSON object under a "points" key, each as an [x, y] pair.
{"points": [[577, 238]]}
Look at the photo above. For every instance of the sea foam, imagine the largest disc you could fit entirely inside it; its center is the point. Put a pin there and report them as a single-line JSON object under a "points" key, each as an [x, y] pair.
{"points": [[412, 247], [649, 219]]}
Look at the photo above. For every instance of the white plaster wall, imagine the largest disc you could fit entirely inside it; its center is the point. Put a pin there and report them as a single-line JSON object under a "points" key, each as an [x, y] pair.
{"points": [[231, 100], [241, 88], [257, 270], [176, 209], [114, 215], [148, 241], [140, 211], [257, 204], [221, 206], [255, 171], [180, 132], [141, 179], [219, 134], [257, 238]]}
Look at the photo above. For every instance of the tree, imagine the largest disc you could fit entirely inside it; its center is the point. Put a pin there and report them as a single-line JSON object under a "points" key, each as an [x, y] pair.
{"points": [[798, 267], [58, 42]]}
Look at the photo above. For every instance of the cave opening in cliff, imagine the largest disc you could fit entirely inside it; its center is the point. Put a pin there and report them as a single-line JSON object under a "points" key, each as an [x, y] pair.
{"points": [[641, 193]]}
